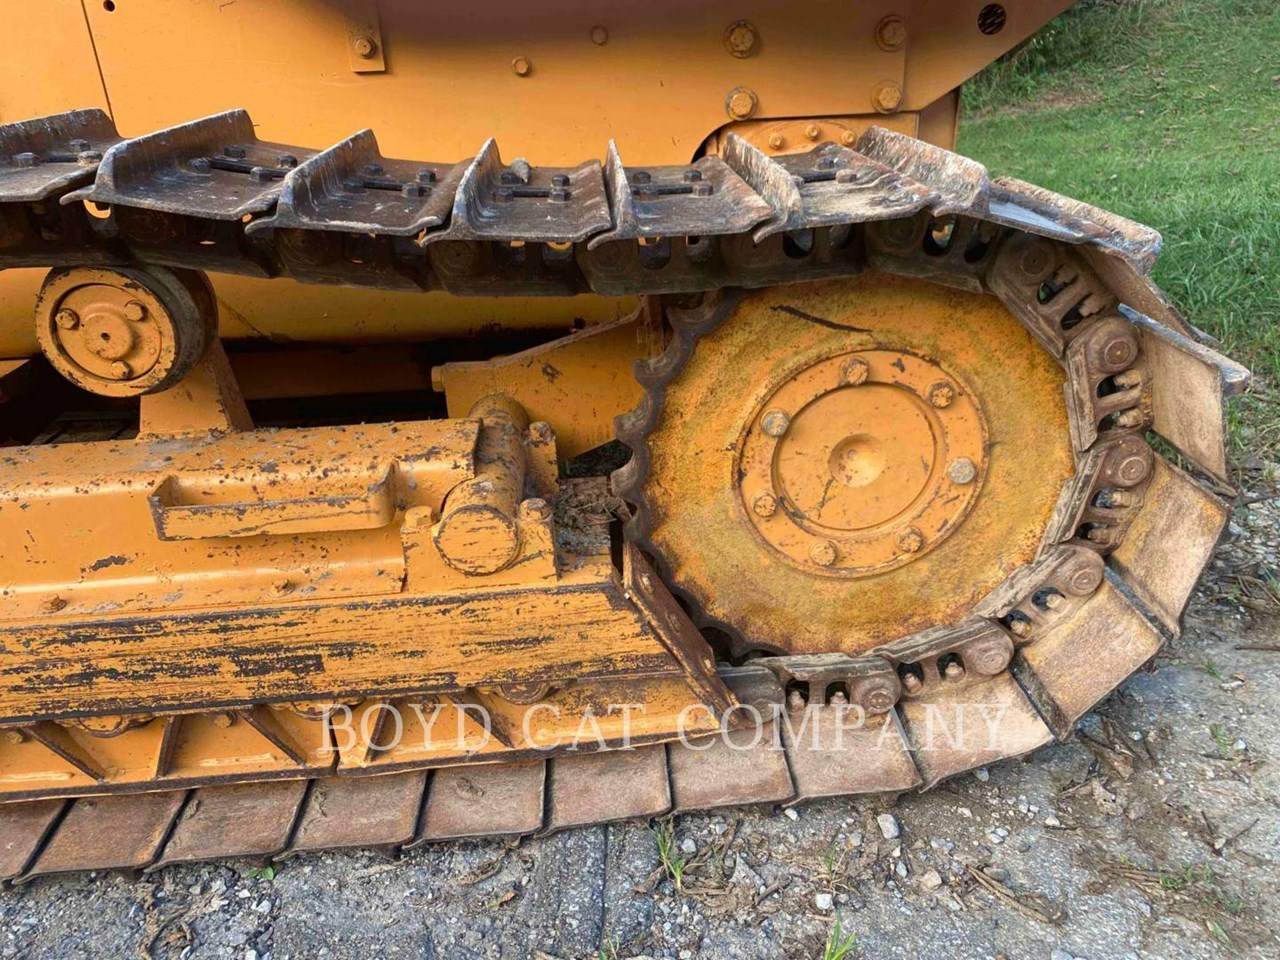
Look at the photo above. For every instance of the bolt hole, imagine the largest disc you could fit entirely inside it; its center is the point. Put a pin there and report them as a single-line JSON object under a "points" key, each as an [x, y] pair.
{"points": [[697, 249], [977, 248], [109, 6], [797, 244], [655, 252], [840, 236], [106, 336], [992, 19], [937, 239]]}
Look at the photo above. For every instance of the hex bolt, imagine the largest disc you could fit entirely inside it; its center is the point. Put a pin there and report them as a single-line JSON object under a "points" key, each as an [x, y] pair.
{"points": [[234, 151], [1020, 628], [911, 541], [559, 195], [775, 422], [135, 310], [641, 177], [260, 175], [67, 319], [813, 131], [823, 553], [887, 96], [692, 175], [1130, 418], [961, 471], [741, 103], [954, 671], [559, 179], [1053, 601], [599, 36], [891, 33], [911, 683], [121, 370], [796, 700], [777, 141], [535, 509], [848, 138], [854, 372], [1128, 379], [223, 720], [740, 38], [426, 176], [879, 699], [413, 190], [89, 157], [521, 66], [1118, 499], [764, 504], [701, 189], [287, 160], [365, 47], [201, 165], [941, 394], [77, 145]]}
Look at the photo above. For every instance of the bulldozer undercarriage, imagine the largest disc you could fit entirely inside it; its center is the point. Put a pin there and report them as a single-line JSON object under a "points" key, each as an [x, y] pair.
{"points": [[878, 529]]}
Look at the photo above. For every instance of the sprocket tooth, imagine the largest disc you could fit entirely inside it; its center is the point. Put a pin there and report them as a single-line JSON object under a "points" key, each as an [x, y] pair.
{"points": [[1189, 382], [109, 833], [968, 727], [589, 788], [835, 751], [242, 820], [1169, 542], [483, 800], [1083, 658]]}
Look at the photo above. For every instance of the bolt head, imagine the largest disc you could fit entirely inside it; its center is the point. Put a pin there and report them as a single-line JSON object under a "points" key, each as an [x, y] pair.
{"points": [[775, 422], [222, 720], [911, 541], [741, 103], [521, 66], [121, 370], [823, 553], [1129, 418], [813, 131], [854, 372], [599, 36], [954, 671], [777, 141], [740, 38], [764, 505], [887, 97], [848, 138], [891, 33], [879, 699], [941, 394], [67, 319], [1020, 627], [364, 47], [962, 471], [135, 310], [911, 683]]}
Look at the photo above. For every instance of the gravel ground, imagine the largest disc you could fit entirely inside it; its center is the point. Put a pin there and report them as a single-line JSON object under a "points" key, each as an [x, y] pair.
{"points": [[1153, 835]]}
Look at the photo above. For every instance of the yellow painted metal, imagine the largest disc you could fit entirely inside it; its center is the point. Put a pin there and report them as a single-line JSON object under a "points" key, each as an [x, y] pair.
{"points": [[654, 77], [704, 526]]}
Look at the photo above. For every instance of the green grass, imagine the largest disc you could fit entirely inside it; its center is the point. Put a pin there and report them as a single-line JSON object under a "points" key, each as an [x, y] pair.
{"points": [[1167, 112], [838, 946]]}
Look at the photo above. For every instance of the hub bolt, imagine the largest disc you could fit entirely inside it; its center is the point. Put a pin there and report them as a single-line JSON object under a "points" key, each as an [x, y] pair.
{"points": [[891, 33], [365, 48], [941, 394], [740, 38], [962, 471], [823, 553], [775, 422], [135, 310], [764, 504], [854, 372], [67, 319], [741, 103], [121, 370], [911, 541], [887, 97]]}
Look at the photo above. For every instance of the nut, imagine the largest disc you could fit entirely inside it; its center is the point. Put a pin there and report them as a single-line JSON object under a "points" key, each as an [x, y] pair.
{"points": [[521, 66], [911, 683], [823, 553], [1130, 418], [813, 131], [891, 33], [67, 319], [848, 138], [599, 36], [135, 310], [962, 471], [954, 671], [775, 422], [941, 394], [777, 141], [764, 504], [911, 540], [854, 372], [365, 47], [741, 103], [121, 370], [887, 96], [740, 38]]}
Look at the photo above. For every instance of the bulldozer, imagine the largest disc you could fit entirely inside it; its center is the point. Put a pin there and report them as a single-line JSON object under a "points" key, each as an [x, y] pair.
{"points": [[684, 426]]}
